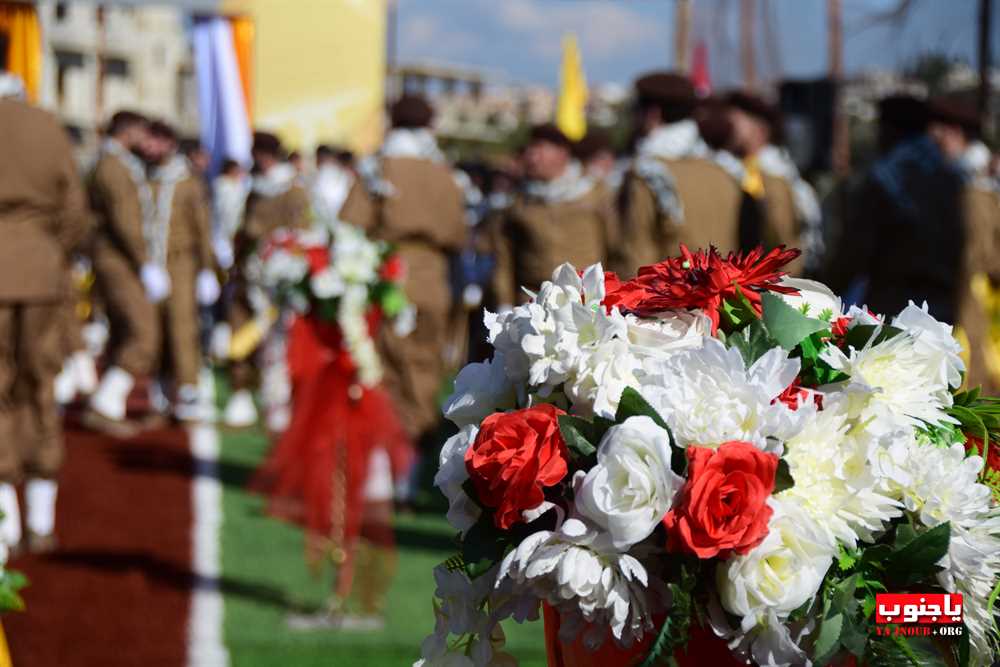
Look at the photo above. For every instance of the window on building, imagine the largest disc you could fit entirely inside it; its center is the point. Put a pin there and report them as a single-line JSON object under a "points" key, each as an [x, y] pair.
{"points": [[114, 66], [62, 8], [66, 61]]}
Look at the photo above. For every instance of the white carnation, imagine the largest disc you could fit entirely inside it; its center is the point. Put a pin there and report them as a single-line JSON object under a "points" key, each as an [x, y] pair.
{"points": [[600, 376], [708, 396], [632, 486], [283, 267], [327, 284], [452, 474]]}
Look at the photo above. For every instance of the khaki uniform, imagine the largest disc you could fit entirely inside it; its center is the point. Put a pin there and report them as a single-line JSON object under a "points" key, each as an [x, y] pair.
{"points": [[533, 237], [119, 253], [981, 262], [716, 211], [189, 250], [43, 214], [425, 219], [779, 221]]}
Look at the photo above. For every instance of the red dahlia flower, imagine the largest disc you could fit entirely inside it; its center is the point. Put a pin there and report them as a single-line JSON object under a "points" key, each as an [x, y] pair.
{"points": [[703, 280]]}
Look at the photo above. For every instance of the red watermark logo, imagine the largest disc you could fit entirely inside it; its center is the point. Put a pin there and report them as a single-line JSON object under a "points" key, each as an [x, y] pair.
{"points": [[918, 608]]}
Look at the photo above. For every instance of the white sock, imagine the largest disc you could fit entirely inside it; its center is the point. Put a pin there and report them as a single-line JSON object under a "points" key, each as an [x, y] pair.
{"points": [[112, 393], [10, 525], [40, 499]]}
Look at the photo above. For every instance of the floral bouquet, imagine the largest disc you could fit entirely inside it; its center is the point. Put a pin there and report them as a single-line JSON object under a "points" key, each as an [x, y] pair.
{"points": [[712, 459], [335, 274]]}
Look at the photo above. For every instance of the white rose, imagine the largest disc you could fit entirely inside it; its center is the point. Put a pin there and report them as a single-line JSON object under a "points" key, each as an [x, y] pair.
{"points": [[451, 475], [480, 390], [781, 573], [814, 299], [632, 486], [327, 283]]}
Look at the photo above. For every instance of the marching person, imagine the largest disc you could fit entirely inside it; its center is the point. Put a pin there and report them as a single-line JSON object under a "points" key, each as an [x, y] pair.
{"points": [[181, 243], [129, 282], [790, 211], [407, 195], [675, 191], [903, 233], [955, 129], [43, 216], [276, 200], [559, 215]]}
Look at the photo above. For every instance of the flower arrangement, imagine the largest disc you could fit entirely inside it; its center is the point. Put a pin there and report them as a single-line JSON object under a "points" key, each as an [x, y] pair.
{"points": [[714, 448], [335, 273]]}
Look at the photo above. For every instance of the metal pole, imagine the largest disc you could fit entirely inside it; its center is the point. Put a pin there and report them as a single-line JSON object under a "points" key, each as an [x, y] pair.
{"points": [[682, 37], [747, 54], [841, 149], [985, 56]]}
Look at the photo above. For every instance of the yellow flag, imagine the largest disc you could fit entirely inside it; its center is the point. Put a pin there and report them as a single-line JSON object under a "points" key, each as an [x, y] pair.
{"points": [[571, 111], [24, 50]]}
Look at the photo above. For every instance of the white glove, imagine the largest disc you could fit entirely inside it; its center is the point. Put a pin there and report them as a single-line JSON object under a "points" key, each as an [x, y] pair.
{"points": [[223, 250], [156, 282], [207, 287], [406, 321]]}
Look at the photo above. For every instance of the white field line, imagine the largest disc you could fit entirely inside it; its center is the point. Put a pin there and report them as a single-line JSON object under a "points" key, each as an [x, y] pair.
{"points": [[206, 645]]}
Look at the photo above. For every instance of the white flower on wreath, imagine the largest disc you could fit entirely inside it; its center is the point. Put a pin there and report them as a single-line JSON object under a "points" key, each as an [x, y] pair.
{"points": [[284, 267], [897, 384], [594, 587], [781, 573], [600, 376], [452, 474], [934, 341], [355, 256], [480, 390], [327, 283], [632, 486], [834, 480], [542, 341], [708, 396], [814, 299]]}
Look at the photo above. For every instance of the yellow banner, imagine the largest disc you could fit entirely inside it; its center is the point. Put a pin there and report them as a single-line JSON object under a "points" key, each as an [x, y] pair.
{"points": [[318, 70], [24, 50]]}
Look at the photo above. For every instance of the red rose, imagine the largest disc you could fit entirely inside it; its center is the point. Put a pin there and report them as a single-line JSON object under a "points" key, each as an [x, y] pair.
{"points": [[393, 270], [723, 506], [515, 456], [319, 258]]}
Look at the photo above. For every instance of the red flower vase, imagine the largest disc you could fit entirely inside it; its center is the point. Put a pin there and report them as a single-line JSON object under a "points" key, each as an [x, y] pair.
{"points": [[703, 649]]}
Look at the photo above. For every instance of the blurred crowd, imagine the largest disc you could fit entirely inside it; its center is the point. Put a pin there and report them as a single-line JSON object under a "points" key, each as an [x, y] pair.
{"points": [[137, 267]]}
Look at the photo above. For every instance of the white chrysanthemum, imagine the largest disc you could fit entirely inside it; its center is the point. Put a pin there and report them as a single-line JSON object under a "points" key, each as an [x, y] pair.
{"points": [[632, 486], [356, 258], [577, 570], [451, 475], [834, 480], [939, 484], [708, 396], [480, 390], [780, 574], [895, 384], [935, 342], [601, 374], [542, 341]]}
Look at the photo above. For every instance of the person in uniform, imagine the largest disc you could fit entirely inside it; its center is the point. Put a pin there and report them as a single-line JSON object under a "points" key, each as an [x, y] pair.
{"points": [[677, 190], [559, 215], [790, 212], [129, 282], [406, 195], [331, 183], [902, 234], [276, 200], [182, 244], [955, 128], [43, 216]]}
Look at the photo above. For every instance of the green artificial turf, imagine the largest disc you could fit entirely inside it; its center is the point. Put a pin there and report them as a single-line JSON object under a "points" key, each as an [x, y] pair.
{"points": [[265, 578]]}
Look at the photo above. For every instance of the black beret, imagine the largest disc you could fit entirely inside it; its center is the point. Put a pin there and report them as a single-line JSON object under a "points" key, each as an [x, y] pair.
{"points": [[954, 111], [550, 133], [267, 143], [411, 111], [665, 88], [906, 113], [759, 108], [596, 140]]}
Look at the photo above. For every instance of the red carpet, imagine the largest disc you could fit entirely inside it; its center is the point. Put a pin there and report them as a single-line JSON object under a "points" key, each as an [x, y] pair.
{"points": [[116, 593]]}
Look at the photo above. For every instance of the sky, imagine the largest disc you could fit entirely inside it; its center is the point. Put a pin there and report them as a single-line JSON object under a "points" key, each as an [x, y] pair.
{"points": [[520, 39]]}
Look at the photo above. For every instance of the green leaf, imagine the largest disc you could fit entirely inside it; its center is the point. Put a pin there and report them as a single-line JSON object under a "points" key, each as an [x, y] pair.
{"points": [[783, 477], [846, 559], [918, 559], [752, 342], [574, 431], [675, 631], [963, 648], [632, 404], [905, 533], [828, 638], [787, 325], [483, 546], [860, 335]]}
